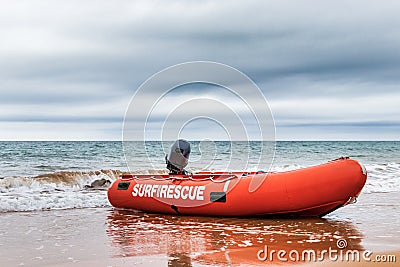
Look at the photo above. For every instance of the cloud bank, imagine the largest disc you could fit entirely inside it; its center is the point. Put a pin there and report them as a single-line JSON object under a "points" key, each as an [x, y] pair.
{"points": [[329, 69]]}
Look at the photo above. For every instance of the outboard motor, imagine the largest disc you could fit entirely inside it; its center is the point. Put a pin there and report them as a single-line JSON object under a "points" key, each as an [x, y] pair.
{"points": [[178, 157]]}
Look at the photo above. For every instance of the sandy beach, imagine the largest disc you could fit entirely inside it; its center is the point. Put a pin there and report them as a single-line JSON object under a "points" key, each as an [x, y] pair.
{"points": [[108, 237]]}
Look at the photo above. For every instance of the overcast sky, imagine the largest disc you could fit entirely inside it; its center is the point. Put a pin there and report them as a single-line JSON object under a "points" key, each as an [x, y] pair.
{"points": [[330, 70]]}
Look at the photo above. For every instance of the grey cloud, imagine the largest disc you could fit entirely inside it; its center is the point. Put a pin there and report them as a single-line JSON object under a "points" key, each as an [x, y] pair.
{"points": [[51, 119], [345, 124], [78, 53]]}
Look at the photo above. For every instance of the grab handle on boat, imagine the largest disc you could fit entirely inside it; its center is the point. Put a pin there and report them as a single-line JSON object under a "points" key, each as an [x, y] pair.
{"points": [[340, 158], [352, 200]]}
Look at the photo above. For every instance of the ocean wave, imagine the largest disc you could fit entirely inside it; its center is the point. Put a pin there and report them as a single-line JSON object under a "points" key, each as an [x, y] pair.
{"points": [[63, 179], [59, 190], [382, 178], [67, 190], [75, 179]]}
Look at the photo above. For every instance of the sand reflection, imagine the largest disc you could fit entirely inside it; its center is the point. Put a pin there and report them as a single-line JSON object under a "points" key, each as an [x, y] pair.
{"points": [[212, 240]]}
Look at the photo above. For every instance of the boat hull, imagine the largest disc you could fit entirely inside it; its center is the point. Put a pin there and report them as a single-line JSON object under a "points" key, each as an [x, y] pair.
{"points": [[312, 191]]}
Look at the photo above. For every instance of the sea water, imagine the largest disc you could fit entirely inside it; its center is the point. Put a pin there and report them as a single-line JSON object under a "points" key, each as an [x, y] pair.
{"points": [[68, 175]]}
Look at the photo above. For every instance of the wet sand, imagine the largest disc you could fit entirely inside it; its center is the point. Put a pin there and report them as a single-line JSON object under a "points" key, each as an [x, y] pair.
{"points": [[108, 237]]}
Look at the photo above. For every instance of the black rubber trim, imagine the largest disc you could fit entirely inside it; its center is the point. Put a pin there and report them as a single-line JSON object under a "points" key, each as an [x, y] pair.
{"points": [[329, 211], [123, 185], [217, 196], [175, 208]]}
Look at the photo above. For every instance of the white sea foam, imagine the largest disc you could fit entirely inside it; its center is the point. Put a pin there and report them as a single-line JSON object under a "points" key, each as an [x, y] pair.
{"points": [[66, 190], [382, 178], [61, 190], [68, 199]]}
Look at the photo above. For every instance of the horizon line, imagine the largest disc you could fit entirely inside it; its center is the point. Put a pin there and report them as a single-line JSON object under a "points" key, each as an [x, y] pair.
{"points": [[219, 140]]}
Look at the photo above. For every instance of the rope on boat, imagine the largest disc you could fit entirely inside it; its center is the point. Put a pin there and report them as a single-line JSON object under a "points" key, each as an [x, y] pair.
{"points": [[188, 178]]}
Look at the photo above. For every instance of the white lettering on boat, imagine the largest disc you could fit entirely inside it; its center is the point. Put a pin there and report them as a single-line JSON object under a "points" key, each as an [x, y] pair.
{"points": [[169, 191]]}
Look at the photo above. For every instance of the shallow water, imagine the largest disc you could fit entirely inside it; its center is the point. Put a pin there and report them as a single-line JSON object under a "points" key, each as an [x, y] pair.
{"points": [[79, 236], [105, 236]]}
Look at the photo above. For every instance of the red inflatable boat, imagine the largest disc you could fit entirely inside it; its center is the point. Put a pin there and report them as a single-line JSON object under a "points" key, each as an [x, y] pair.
{"points": [[313, 191]]}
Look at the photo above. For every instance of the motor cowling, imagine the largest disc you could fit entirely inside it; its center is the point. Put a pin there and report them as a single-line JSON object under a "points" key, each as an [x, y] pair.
{"points": [[178, 157]]}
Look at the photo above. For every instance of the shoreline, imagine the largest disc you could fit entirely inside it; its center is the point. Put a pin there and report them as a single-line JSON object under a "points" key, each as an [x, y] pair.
{"points": [[106, 236]]}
